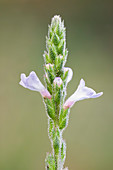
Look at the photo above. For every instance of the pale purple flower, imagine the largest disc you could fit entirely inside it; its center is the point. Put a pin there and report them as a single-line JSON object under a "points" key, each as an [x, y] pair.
{"points": [[33, 83], [57, 81], [70, 73], [81, 93]]}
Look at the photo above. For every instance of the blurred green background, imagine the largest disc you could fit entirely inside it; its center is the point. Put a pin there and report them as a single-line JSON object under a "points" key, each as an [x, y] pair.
{"points": [[23, 122]]}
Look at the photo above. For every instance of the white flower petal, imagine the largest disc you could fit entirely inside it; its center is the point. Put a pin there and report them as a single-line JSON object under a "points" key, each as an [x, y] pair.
{"points": [[82, 83], [81, 93], [32, 82]]}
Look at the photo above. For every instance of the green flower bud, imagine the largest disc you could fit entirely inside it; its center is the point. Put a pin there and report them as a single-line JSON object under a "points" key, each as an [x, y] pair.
{"points": [[57, 81]]}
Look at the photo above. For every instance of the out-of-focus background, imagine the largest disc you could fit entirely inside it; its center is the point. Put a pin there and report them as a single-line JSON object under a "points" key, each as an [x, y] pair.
{"points": [[23, 122]]}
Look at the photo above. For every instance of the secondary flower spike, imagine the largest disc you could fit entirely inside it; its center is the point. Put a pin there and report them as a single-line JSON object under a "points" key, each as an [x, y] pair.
{"points": [[33, 83], [81, 93]]}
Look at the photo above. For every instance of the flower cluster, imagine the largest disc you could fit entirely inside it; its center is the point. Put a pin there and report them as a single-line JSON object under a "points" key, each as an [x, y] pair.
{"points": [[56, 77]]}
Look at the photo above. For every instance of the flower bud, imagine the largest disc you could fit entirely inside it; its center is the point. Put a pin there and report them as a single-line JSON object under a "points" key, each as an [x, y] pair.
{"points": [[60, 56], [58, 81], [56, 20], [45, 94], [49, 65]]}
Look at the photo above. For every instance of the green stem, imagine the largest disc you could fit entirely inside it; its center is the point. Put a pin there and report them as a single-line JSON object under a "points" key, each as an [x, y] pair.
{"points": [[56, 162]]}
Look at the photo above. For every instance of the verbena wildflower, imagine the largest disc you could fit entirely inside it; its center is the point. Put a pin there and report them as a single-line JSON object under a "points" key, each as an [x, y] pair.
{"points": [[54, 92], [81, 93], [32, 82]]}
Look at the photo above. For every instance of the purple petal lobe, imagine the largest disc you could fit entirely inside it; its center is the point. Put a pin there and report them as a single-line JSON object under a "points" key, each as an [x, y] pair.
{"points": [[23, 77], [97, 95], [82, 83], [31, 82]]}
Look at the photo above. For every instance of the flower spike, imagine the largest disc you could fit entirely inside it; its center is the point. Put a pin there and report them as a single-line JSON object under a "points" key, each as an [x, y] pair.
{"points": [[57, 77], [33, 83], [81, 93]]}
